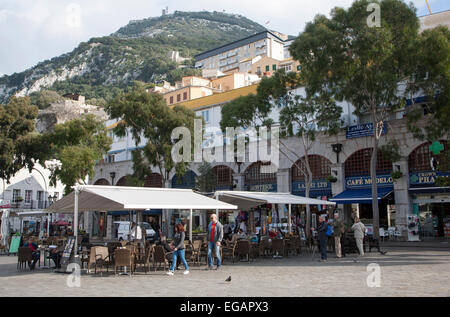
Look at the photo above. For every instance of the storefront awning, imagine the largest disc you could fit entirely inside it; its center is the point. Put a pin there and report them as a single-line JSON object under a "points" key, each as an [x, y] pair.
{"points": [[115, 198], [246, 200], [429, 190], [360, 196]]}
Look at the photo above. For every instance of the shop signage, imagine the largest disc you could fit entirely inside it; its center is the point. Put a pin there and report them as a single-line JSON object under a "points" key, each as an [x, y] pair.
{"points": [[366, 181], [319, 184], [425, 178], [361, 130], [5, 204], [263, 188]]}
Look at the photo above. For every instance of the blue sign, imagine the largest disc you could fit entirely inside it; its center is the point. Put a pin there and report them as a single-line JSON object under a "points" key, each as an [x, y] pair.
{"points": [[425, 178], [361, 130], [366, 181], [263, 188]]}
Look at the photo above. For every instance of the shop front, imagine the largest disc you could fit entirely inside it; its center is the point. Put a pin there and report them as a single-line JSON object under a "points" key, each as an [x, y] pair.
{"points": [[358, 194], [430, 202]]}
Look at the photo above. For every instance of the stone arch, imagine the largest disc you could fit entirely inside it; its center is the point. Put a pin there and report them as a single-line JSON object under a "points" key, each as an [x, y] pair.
{"points": [[102, 181], [421, 159], [186, 181], [122, 181], [257, 181]]}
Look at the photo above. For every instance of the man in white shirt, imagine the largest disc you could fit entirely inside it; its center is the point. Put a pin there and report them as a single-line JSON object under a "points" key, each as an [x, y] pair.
{"points": [[135, 233], [243, 227]]}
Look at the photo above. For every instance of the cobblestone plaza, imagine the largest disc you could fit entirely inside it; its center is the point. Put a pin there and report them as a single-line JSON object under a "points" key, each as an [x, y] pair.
{"points": [[404, 271]]}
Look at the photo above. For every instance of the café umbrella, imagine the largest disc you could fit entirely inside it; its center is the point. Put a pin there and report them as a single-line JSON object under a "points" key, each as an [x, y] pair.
{"points": [[115, 198]]}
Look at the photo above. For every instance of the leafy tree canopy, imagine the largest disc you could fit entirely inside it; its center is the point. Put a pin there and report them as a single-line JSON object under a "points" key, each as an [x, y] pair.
{"points": [[16, 136], [146, 115]]}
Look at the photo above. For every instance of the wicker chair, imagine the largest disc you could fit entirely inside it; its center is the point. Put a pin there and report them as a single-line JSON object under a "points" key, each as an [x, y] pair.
{"points": [[143, 259], [196, 251], [101, 258], [160, 256], [123, 258], [242, 247], [24, 257], [278, 246]]}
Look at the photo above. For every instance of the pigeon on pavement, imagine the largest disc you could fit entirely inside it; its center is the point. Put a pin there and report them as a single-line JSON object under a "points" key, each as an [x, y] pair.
{"points": [[228, 279]]}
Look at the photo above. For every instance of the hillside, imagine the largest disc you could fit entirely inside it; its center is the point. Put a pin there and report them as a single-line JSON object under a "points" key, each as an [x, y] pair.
{"points": [[104, 66]]}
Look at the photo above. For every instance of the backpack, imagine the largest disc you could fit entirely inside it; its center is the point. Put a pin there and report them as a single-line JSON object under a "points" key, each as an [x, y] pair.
{"points": [[330, 231]]}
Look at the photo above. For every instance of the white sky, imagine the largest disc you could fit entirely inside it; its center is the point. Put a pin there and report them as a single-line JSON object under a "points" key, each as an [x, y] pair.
{"points": [[35, 30]]}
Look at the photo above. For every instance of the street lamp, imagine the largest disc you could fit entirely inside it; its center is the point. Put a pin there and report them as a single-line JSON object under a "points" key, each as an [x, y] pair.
{"points": [[112, 175], [337, 148]]}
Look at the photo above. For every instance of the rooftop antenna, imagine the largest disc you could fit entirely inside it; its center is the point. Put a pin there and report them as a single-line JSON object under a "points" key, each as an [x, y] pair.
{"points": [[428, 6]]}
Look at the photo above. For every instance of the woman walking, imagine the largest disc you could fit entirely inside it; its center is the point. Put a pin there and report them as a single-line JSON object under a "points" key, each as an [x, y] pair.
{"points": [[178, 251], [360, 230]]}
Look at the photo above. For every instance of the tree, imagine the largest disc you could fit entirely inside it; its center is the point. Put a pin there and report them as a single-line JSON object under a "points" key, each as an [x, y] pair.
{"points": [[302, 115], [78, 144], [147, 116], [16, 134], [345, 57], [206, 181], [431, 79], [43, 99]]}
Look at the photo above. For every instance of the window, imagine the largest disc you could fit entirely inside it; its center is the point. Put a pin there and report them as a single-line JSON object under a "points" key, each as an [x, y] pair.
{"points": [[358, 164], [171, 100], [320, 167], [267, 68], [184, 95], [422, 160], [28, 195], [258, 70], [253, 174], [178, 97], [298, 67], [205, 115], [16, 194], [274, 67], [153, 180], [40, 195], [111, 158], [224, 176]]}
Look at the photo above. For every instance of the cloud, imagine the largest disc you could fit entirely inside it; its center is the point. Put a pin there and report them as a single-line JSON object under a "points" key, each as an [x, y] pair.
{"points": [[35, 30]]}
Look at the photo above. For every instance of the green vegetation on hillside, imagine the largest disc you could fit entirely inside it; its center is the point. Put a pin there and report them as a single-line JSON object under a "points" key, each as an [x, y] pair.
{"points": [[106, 66]]}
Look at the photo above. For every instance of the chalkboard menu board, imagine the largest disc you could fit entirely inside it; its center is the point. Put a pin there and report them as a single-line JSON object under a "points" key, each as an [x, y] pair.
{"points": [[67, 251]]}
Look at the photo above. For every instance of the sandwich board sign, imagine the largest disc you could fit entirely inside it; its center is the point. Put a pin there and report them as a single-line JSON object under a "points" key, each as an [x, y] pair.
{"points": [[15, 244], [67, 253]]}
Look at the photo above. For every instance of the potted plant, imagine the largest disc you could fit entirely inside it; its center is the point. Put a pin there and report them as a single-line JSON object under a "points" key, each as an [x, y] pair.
{"points": [[331, 179], [396, 175]]}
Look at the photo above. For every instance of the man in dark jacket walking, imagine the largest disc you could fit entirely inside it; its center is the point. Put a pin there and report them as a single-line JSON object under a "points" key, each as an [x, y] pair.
{"points": [[323, 239], [214, 238]]}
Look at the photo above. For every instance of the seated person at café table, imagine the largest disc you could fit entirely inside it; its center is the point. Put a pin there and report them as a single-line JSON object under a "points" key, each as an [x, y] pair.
{"points": [[56, 254], [34, 252], [237, 236]]}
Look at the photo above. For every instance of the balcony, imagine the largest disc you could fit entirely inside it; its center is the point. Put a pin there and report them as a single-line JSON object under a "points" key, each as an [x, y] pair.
{"points": [[33, 204]]}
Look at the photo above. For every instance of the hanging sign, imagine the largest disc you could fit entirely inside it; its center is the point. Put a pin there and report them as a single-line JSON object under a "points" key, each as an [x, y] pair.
{"points": [[361, 130]]}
